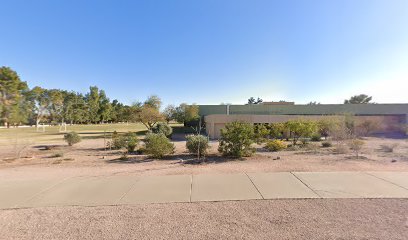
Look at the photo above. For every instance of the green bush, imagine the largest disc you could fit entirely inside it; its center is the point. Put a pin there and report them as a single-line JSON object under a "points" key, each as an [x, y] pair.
{"points": [[197, 144], [275, 145], [236, 139], [261, 133], [163, 128], [316, 138], [300, 128], [326, 144], [158, 145], [128, 140], [72, 138]]}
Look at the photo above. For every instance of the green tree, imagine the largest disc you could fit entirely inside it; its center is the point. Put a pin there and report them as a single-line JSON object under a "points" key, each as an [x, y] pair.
{"points": [[153, 101], [187, 113], [169, 113], [92, 100], [149, 116], [359, 99], [236, 139], [105, 107], [300, 128], [12, 91]]}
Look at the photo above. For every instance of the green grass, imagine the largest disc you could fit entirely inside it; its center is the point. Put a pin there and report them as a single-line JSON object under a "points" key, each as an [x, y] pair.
{"points": [[30, 135]]}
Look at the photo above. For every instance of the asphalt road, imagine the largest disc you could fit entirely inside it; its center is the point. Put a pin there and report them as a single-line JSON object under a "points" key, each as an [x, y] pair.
{"points": [[254, 219]]}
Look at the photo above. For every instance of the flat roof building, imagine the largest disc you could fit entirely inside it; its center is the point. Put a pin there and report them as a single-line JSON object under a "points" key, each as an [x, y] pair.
{"points": [[391, 116]]}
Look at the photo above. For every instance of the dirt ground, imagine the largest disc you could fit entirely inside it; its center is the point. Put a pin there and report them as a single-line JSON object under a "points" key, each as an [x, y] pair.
{"points": [[265, 219], [89, 158]]}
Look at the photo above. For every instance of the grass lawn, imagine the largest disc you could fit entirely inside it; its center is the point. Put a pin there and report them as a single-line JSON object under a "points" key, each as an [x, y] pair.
{"points": [[92, 131]]}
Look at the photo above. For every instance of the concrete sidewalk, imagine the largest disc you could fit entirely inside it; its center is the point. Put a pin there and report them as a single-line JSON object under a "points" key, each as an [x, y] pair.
{"points": [[117, 190]]}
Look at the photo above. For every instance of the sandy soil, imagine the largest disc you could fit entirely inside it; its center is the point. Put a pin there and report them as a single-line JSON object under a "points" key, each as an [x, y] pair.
{"points": [[267, 219], [89, 158]]}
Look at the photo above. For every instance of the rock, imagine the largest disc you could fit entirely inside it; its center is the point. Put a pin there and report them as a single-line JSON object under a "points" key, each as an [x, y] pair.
{"points": [[394, 160]]}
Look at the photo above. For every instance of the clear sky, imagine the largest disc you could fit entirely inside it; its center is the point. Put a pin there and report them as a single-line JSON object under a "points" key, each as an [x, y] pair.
{"points": [[211, 51]]}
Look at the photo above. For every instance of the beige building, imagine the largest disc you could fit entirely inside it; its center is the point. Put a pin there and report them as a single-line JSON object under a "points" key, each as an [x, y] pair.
{"points": [[390, 116]]}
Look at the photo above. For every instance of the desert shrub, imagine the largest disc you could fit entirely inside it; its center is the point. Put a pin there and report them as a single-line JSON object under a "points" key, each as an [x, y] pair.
{"points": [[158, 145], [277, 130], [367, 126], [163, 128], [261, 133], [316, 137], [312, 147], [300, 128], [326, 126], [356, 145], [129, 141], [388, 148], [197, 144], [326, 144], [72, 138], [275, 145], [291, 147], [349, 120], [341, 148], [304, 141], [236, 139], [57, 155]]}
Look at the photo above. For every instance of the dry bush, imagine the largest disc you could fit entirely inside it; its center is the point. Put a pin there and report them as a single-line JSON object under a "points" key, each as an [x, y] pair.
{"points": [[312, 147], [19, 147], [367, 126], [388, 148], [341, 148], [356, 145]]}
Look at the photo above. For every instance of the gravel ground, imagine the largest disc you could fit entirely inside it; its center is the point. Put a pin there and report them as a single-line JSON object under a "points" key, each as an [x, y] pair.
{"points": [[264, 219]]}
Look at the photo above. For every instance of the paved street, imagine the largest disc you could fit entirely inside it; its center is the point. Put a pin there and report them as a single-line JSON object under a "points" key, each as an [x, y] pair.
{"points": [[125, 190]]}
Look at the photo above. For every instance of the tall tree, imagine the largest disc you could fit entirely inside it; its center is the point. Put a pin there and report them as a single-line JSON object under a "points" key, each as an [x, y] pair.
{"points": [[153, 101], [92, 100], [169, 113], [105, 107], [11, 96], [186, 113], [40, 104], [359, 99]]}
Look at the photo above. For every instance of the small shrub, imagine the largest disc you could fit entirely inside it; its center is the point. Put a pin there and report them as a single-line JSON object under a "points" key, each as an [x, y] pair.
{"points": [[163, 128], [340, 148], [72, 138], [292, 147], [197, 144], [312, 147], [356, 145], [128, 140], [388, 148], [141, 150], [236, 140], [57, 155], [316, 138], [275, 145], [326, 144], [261, 133], [158, 145]]}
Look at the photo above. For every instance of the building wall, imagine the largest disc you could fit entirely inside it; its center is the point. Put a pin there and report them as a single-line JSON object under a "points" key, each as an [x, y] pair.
{"points": [[215, 122], [320, 109]]}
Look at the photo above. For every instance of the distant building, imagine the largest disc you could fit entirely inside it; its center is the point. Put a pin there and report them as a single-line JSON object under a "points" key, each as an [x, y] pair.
{"points": [[278, 103], [391, 116]]}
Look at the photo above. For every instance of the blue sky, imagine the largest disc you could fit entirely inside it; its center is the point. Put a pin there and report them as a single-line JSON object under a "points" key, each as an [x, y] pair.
{"points": [[211, 51]]}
